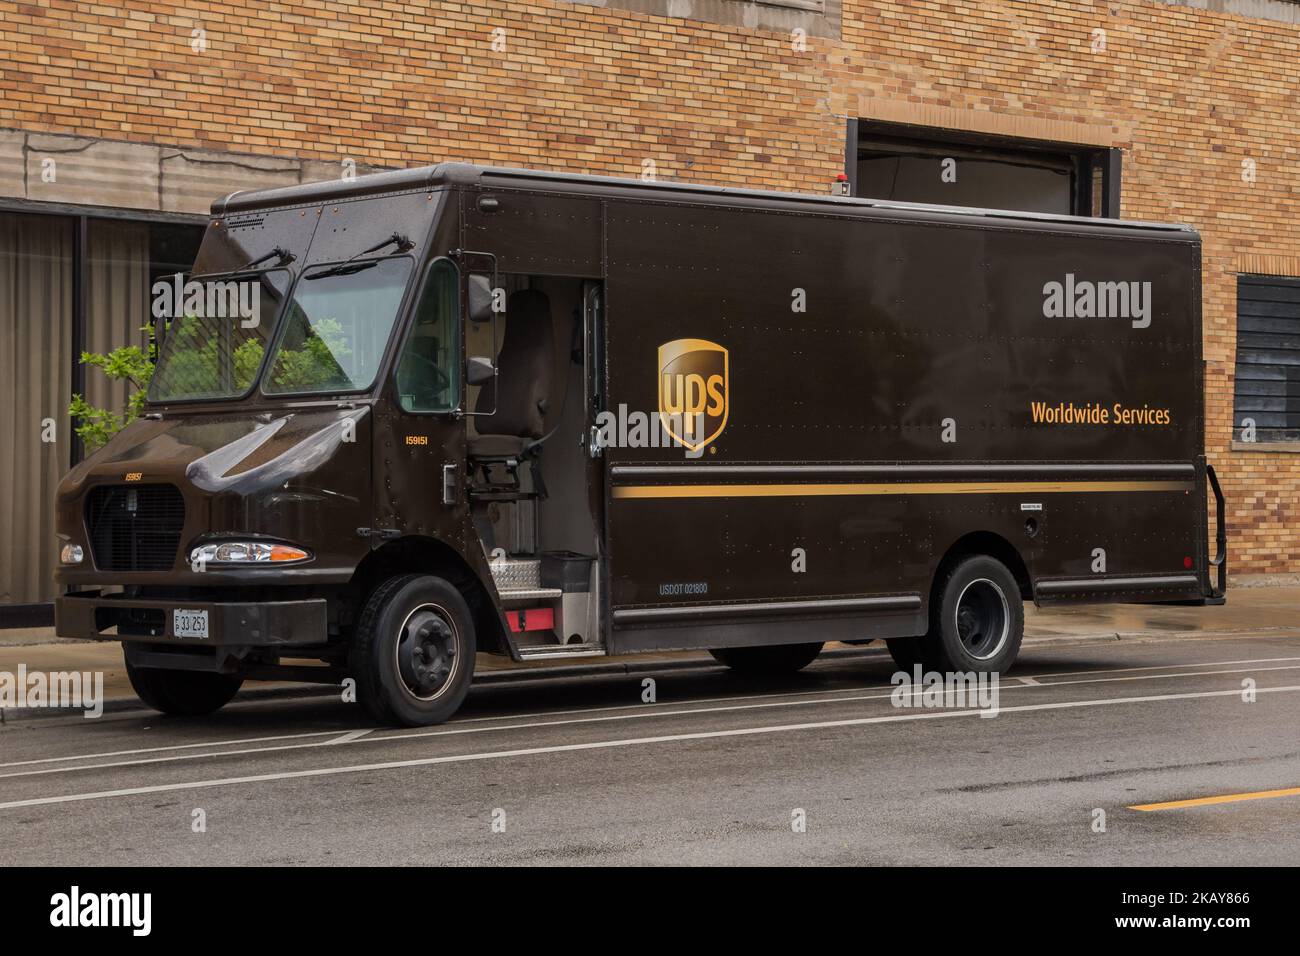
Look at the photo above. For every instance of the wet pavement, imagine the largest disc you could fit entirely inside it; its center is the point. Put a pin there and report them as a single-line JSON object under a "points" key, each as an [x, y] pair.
{"points": [[1249, 610], [1089, 758]]}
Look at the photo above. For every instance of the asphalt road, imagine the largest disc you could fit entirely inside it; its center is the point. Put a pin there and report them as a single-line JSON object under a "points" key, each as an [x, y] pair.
{"points": [[581, 770]]}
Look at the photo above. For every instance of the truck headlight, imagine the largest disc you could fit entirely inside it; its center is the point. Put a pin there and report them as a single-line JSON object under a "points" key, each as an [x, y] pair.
{"points": [[246, 552], [72, 554]]}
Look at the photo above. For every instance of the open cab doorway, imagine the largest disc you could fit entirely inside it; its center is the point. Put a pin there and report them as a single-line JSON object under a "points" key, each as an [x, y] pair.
{"points": [[536, 483]]}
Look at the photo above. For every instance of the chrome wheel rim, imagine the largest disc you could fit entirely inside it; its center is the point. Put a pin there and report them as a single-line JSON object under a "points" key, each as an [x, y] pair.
{"points": [[427, 652], [982, 619]]}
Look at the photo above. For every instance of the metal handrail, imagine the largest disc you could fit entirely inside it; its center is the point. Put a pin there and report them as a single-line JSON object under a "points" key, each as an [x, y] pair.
{"points": [[1220, 560]]}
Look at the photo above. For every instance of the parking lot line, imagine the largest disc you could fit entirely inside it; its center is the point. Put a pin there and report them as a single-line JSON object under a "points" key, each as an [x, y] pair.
{"points": [[617, 743], [1222, 798]]}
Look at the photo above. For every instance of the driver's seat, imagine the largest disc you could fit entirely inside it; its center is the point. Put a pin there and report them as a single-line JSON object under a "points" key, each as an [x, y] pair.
{"points": [[526, 373]]}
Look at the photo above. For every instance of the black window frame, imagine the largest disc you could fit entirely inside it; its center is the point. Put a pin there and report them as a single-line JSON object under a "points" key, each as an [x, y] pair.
{"points": [[1287, 303]]}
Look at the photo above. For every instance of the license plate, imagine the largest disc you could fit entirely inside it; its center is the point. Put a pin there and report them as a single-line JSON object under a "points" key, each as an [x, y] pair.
{"points": [[190, 623]]}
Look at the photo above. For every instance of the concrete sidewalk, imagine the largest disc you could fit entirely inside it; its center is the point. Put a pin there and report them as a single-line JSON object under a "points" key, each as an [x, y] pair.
{"points": [[1248, 611]]}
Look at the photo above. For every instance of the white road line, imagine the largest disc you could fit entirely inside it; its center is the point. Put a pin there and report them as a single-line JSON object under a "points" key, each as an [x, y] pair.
{"points": [[1032, 682], [150, 750], [1153, 667], [840, 690], [640, 709], [348, 737], [643, 714], [610, 744]]}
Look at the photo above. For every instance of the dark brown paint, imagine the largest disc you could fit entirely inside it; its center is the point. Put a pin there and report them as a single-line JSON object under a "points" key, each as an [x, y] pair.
{"points": [[914, 315]]}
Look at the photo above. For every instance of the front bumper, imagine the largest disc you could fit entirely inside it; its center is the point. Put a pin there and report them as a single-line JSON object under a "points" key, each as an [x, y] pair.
{"points": [[253, 624]]}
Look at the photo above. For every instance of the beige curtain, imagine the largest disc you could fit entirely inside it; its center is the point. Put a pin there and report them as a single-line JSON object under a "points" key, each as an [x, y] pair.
{"points": [[117, 300], [35, 384]]}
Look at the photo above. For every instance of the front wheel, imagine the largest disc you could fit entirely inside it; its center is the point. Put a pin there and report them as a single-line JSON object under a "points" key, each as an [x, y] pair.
{"points": [[977, 619], [907, 652], [413, 657], [773, 659], [182, 693]]}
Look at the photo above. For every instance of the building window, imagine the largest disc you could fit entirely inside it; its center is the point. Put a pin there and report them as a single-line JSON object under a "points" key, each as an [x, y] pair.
{"points": [[68, 283], [123, 260], [918, 164], [1266, 405], [36, 292]]}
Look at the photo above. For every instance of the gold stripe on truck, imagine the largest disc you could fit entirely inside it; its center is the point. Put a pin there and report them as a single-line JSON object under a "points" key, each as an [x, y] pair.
{"points": [[895, 488]]}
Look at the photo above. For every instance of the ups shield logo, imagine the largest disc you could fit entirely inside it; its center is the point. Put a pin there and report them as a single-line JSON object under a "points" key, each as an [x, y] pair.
{"points": [[693, 391]]}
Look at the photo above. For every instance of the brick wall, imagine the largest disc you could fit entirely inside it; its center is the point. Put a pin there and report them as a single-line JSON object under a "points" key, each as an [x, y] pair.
{"points": [[1188, 94]]}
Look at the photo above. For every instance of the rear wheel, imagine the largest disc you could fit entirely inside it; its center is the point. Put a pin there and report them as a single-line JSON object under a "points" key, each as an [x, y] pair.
{"points": [[182, 693], [413, 656], [773, 659], [977, 619]]}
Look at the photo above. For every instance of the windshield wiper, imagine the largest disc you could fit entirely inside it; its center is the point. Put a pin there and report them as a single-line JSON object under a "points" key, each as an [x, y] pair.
{"points": [[348, 267], [342, 269], [285, 255], [396, 239]]}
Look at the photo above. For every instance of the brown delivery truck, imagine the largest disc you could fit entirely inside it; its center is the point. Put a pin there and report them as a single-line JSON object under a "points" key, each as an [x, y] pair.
{"points": [[402, 419]]}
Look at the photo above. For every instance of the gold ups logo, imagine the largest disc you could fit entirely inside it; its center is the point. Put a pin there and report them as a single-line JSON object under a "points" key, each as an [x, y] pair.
{"points": [[693, 391]]}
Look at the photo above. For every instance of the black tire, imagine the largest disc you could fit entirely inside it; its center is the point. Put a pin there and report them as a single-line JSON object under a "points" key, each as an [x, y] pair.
{"points": [[977, 618], [907, 652], [773, 659], [182, 693], [413, 655]]}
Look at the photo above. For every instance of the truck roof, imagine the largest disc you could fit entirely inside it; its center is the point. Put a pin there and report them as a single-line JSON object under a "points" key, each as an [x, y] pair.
{"points": [[488, 177]]}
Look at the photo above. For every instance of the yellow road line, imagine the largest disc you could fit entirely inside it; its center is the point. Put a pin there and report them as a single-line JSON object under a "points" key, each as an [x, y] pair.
{"points": [[894, 488], [1223, 798]]}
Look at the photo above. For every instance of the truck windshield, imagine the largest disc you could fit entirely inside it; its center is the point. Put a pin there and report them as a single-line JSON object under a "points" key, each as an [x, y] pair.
{"points": [[336, 327], [217, 329]]}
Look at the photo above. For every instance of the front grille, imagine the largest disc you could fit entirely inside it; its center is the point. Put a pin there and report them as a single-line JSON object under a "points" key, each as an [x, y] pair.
{"points": [[135, 527]]}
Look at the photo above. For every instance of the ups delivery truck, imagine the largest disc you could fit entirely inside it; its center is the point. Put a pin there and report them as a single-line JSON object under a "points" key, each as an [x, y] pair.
{"points": [[405, 418]]}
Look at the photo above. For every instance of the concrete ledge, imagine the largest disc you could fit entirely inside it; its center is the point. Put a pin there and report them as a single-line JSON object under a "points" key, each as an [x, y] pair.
{"points": [[91, 171], [1276, 447], [1264, 581], [1279, 10]]}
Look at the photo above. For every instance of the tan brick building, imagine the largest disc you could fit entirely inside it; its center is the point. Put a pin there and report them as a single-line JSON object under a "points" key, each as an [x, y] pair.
{"points": [[119, 123]]}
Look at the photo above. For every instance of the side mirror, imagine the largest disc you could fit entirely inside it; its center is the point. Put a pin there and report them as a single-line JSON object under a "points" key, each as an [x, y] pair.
{"points": [[479, 369], [480, 297]]}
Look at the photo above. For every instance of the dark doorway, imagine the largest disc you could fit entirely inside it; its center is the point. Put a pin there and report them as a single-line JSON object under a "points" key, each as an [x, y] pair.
{"points": [[921, 164]]}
